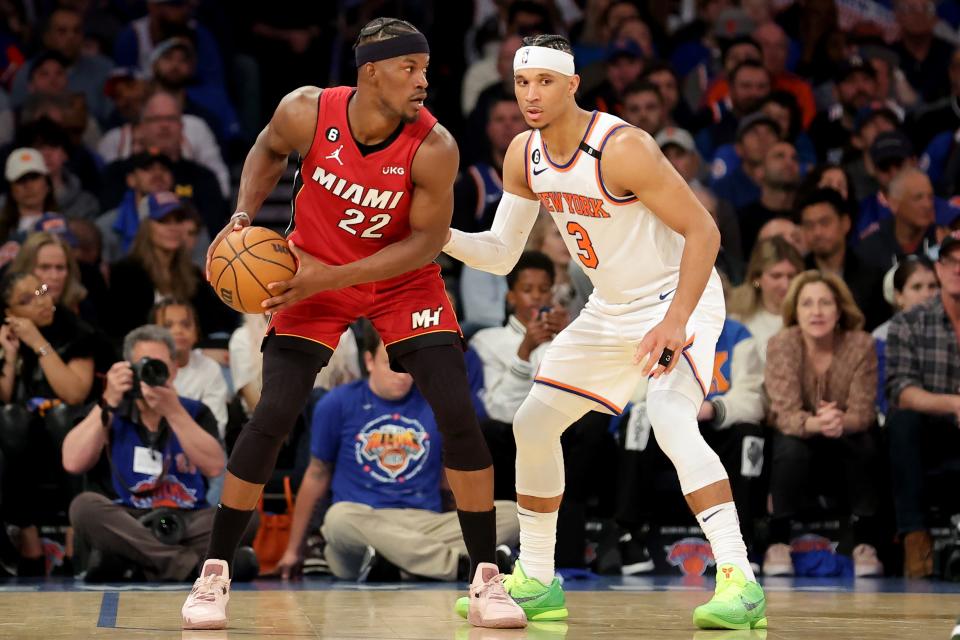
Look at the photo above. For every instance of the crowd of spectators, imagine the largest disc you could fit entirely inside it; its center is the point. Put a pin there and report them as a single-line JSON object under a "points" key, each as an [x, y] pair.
{"points": [[822, 135]]}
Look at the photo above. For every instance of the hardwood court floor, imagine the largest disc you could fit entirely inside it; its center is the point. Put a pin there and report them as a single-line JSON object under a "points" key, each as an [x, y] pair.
{"points": [[427, 615]]}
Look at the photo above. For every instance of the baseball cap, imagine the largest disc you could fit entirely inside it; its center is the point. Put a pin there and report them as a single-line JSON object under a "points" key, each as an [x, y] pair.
{"points": [[158, 206], [674, 136], [867, 113], [178, 42], [852, 65], [22, 161], [890, 145], [149, 158], [733, 23], [57, 225], [623, 48], [951, 242], [755, 119]]}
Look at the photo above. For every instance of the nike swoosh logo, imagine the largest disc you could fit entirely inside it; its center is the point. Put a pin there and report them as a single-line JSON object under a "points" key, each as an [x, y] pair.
{"points": [[663, 296], [750, 606], [705, 518], [536, 173], [529, 598]]}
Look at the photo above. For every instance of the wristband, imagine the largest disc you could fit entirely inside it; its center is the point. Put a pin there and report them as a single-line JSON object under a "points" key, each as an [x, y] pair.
{"points": [[43, 350]]}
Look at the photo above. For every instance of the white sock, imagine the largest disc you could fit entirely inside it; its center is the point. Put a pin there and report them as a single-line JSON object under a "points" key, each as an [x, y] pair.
{"points": [[538, 540], [722, 528]]}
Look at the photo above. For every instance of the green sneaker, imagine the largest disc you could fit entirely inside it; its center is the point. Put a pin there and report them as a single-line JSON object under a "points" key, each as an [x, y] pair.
{"points": [[539, 602], [736, 603]]}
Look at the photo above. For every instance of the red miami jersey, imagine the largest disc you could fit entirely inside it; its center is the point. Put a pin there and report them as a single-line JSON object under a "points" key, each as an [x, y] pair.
{"points": [[346, 205]]}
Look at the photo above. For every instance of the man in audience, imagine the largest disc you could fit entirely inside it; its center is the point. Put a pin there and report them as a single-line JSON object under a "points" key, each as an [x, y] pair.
{"points": [[643, 107], [825, 220], [756, 134], [923, 386], [148, 172], [162, 127], [856, 86], [85, 72], [911, 230], [779, 179], [749, 85], [375, 447], [162, 451]]}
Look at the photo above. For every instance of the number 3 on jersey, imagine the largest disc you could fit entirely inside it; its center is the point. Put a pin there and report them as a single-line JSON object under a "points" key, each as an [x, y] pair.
{"points": [[355, 217], [586, 253]]}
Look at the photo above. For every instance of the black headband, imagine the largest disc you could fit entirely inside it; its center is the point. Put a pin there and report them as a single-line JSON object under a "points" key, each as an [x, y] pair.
{"points": [[396, 46]]}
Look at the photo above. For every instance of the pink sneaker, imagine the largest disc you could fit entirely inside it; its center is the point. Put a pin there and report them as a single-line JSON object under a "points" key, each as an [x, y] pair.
{"points": [[490, 606], [206, 606]]}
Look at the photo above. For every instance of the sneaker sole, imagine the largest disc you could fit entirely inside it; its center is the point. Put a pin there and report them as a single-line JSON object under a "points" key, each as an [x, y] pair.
{"points": [[506, 623], [205, 625], [710, 621], [533, 615]]}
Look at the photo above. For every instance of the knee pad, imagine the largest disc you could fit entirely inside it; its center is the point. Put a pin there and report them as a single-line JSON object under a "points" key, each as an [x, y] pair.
{"points": [[674, 420], [537, 428]]}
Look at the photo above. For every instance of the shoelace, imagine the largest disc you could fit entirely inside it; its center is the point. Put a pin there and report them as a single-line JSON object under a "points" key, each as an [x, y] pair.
{"points": [[494, 589], [206, 588]]}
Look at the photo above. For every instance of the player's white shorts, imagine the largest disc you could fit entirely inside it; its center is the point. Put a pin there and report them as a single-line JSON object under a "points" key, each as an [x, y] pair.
{"points": [[593, 356]]}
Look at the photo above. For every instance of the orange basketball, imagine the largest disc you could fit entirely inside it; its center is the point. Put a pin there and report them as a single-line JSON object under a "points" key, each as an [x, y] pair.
{"points": [[245, 262]]}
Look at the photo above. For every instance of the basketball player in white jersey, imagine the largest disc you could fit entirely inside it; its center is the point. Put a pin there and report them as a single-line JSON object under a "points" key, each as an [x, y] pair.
{"points": [[648, 247]]}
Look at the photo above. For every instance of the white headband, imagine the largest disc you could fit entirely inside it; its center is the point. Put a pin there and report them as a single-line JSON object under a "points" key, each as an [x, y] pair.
{"points": [[543, 58]]}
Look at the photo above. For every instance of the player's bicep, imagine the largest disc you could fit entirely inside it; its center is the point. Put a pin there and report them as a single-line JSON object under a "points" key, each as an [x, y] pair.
{"points": [[634, 163], [434, 171], [293, 124]]}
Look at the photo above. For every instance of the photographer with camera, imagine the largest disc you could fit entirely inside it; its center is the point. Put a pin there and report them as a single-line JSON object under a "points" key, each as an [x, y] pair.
{"points": [[161, 450]]}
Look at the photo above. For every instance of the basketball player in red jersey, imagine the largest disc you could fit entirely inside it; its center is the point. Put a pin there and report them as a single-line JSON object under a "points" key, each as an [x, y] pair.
{"points": [[371, 211]]}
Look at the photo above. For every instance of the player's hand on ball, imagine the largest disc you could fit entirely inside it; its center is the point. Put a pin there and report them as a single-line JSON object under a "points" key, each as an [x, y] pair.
{"points": [[290, 565], [667, 334], [312, 277], [237, 222]]}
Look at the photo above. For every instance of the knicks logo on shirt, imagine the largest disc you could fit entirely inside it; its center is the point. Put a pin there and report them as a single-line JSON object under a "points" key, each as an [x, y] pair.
{"points": [[392, 448], [167, 491]]}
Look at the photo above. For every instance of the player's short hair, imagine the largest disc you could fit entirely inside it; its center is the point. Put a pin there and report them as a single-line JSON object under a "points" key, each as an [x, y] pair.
{"points": [[531, 260], [380, 29], [550, 41]]}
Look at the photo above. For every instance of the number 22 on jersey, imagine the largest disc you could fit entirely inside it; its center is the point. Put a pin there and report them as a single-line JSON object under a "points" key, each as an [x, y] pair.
{"points": [[585, 248], [356, 217]]}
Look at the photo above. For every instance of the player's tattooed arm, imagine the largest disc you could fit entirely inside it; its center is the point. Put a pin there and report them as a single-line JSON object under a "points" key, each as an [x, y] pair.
{"points": [[633, 163]]}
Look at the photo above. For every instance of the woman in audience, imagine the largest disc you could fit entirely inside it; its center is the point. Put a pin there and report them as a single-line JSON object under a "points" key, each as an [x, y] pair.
{"points": [[913, 282], [757, 303], [47, 362], [31, 194], [821, 378], [50, 258], [158, 267]]}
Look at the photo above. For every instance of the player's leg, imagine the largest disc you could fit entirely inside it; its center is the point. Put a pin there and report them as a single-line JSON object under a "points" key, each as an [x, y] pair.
{"points": [[440, 374], [289, 369], [673, 402]]}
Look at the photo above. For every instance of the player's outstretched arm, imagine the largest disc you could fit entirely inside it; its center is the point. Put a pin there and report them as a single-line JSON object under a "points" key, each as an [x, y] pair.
{"points": [[498, 249], [291, 129], [632, 162]]}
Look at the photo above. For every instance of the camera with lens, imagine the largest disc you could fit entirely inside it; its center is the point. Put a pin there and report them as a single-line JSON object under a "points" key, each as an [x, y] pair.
{"points": [[150, 371], [166, 524]]}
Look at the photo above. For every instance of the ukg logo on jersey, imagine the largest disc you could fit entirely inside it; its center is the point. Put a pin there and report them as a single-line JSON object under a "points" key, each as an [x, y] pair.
{"points": [[392, 448]]}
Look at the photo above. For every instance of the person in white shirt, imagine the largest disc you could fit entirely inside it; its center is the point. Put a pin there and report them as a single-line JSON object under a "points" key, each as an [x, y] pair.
{"points": [[511, 353], [198, 376]]}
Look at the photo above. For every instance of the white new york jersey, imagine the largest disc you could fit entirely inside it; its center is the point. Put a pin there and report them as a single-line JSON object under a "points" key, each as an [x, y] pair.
{"points": [[627, 252]]}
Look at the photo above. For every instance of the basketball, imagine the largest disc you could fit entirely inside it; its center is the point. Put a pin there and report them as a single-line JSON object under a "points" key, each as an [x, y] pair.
{"points": [[245, 262]]}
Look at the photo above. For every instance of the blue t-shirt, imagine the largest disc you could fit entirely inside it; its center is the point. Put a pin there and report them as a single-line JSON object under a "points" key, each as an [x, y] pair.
{"points": [[173, 482], [386, 454]]}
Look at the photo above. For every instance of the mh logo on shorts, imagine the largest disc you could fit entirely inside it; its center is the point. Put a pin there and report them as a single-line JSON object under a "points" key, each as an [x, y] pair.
{"points": [[425, 319]]}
